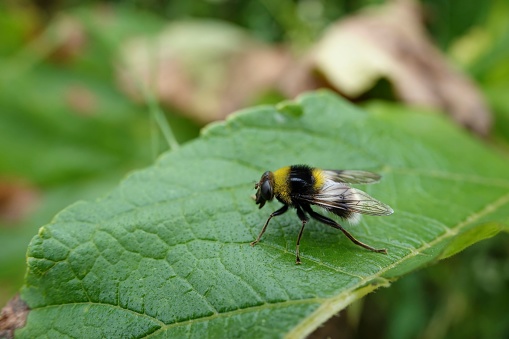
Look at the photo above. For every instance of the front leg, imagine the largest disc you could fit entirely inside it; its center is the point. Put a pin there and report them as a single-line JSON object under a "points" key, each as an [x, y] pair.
{"points": [[273, 214]]}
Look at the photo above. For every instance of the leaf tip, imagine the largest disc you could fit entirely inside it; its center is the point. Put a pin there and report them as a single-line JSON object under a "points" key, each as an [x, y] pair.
{"points": [[290, 108]]}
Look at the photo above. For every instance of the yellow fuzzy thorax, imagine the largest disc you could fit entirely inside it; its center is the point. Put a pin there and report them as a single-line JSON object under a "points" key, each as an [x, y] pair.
{"points": [[281, 187], [319, 177]]}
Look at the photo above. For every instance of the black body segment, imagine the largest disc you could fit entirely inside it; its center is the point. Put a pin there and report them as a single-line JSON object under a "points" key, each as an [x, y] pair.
{"points": [[301, 181]]}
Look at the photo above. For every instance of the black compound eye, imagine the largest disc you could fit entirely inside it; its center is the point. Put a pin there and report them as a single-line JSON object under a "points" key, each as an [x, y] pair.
{"points": [[267, 192]]}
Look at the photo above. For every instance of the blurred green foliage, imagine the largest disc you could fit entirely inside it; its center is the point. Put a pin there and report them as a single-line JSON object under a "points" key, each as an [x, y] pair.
{"points": [[65, 149], [66, 132]]}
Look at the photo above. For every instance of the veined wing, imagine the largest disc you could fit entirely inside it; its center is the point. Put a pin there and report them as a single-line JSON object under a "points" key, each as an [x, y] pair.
{"points": [[338, 196], [352, 176]]}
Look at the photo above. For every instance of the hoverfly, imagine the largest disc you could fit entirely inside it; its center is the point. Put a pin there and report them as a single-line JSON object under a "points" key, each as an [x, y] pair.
{"points": [[300, 186]]}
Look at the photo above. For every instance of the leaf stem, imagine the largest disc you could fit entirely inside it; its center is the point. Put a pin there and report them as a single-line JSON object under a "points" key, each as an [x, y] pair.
{"points": [[160, 119]]}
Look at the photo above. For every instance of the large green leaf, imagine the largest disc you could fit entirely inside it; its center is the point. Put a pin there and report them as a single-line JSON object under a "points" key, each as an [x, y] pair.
{"points": [[167, 253]]}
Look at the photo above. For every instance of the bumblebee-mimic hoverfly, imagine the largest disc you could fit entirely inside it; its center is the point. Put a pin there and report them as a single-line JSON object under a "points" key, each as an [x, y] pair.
{"points": [[300, 186]]}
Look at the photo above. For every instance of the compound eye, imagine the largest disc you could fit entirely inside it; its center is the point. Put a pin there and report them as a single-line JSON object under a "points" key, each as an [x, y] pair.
{"points": [[267, 192]]}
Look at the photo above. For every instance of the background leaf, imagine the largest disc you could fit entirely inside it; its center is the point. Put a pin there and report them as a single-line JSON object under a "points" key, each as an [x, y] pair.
{"points": [[66, 132], [167, 253]]}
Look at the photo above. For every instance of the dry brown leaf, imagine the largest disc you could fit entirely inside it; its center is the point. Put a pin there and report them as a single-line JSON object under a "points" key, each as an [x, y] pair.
{"points": [[17, 200], [12, 317], [184, 66], [205, 69], [251, 72], [81, 100], [69, 37], [210, 69], [391, 42]]}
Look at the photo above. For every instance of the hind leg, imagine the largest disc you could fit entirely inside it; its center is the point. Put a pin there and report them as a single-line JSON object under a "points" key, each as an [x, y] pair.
{"points": [[334, 224]]}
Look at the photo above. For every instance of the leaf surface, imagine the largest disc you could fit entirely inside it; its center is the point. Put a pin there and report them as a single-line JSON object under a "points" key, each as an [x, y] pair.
{"points": [[167, 254]]}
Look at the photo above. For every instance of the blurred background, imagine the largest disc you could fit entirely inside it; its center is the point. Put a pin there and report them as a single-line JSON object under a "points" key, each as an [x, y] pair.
{"points": [[91, 90]]}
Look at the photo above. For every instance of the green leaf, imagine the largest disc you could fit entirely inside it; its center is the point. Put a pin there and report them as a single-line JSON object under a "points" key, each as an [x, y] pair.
{"points": [[167, 253]]}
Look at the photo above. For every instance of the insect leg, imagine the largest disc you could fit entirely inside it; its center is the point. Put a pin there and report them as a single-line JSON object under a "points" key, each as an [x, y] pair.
{"points": [[334, 224], [273, 214], [304, 219]]}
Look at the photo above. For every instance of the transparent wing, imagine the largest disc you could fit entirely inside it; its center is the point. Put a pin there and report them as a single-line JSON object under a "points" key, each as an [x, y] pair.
{"points": [[352, 176], [337, 196]]}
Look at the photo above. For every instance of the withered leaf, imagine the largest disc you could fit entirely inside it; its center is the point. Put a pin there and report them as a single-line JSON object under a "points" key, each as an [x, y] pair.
{"points": [[390, 42]]}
